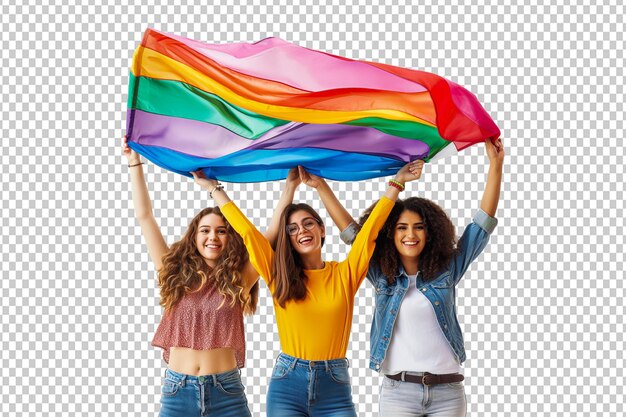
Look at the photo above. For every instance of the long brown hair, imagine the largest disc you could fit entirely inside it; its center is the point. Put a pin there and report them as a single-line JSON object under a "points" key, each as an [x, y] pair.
{"points": [[440, 239], [288, 275], [185, 271]]}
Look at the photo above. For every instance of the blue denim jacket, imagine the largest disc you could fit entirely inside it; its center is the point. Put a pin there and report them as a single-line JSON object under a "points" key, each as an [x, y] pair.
{"points": [[440, 292]]}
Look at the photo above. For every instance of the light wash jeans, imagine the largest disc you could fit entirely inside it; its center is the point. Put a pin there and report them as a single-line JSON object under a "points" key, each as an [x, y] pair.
{"points": [[408, 399], [217, 395], [301, 388]]}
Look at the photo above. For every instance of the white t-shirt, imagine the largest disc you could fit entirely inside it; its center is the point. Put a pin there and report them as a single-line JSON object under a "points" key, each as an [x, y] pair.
{"points": [[418, 343]]}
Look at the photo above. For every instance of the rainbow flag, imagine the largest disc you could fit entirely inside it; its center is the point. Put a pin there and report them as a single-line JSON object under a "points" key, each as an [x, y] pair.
{"points": [[250, 112]]}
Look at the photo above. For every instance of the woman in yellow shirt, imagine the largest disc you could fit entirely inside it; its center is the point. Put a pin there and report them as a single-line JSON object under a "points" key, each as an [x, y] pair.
{"points": [[313, 299]]}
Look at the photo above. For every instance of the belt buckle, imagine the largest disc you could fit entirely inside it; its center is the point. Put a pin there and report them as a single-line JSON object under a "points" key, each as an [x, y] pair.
{"points": [[424, 379]]}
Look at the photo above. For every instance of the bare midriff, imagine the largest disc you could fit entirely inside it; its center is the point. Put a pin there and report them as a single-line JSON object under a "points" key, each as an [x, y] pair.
{"points": [[201, 362]]}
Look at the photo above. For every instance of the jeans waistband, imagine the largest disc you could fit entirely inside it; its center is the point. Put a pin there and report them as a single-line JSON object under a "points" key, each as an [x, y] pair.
{"points": [[292, 362], [212, 379]]}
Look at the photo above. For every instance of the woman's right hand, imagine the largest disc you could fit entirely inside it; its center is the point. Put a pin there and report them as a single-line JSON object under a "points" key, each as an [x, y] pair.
{"points": [[204, 182], [309, 179], [495, 151]]}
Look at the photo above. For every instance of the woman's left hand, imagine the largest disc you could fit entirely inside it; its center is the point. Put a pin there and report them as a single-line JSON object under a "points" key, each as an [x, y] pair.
{"points": [[204, 182], [309, 179]]}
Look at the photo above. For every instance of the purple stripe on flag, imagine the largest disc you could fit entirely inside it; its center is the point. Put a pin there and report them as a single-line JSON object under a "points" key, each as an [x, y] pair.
{"points": [[212, 141]]}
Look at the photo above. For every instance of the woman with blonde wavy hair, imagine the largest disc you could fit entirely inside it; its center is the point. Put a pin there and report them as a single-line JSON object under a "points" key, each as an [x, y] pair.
{"points": [[207, 284]]}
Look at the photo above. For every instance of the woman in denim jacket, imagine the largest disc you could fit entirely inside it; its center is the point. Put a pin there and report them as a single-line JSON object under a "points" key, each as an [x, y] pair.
{"points": [[416, 340]]}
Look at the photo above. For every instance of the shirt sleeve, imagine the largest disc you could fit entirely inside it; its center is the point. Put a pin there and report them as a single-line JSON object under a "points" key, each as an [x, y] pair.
{"points": [[355, 267], [485, 221], [259, 249], [474, 239], [349, 233]]}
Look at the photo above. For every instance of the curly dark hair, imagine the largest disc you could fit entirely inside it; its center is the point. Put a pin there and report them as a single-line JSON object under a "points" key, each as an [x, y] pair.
{"points": [[441, 239], [185, 271]]}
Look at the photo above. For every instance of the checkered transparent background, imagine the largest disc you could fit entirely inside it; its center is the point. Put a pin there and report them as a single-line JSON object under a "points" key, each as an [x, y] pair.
{"points": [[542, 309]]}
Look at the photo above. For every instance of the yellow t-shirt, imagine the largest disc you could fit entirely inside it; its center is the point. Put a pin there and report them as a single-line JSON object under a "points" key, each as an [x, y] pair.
{"points": [[318, 327]]}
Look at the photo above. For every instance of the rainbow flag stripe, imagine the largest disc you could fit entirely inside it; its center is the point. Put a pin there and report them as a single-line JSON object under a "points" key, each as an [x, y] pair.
{"points": [[250, 112]]}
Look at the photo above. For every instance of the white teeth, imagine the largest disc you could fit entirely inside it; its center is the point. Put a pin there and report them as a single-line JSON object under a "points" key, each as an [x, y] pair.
{"points": [[212, 246], [409, 243], [305, 240]]}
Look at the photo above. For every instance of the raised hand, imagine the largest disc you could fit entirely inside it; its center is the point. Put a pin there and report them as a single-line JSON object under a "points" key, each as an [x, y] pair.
{"points": [[132, 156], [309, 179], [293, 178], [495, 151], [410, 172], [491, 195], [204, 182]]}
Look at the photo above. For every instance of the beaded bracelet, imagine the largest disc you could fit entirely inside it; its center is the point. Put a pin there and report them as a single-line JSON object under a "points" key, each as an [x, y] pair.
{"points": [[396, 184], [218, 187]]}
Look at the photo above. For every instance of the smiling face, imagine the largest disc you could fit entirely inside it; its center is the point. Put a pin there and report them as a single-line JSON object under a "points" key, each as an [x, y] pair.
{"points": [[409, 235], [307, 232], [211, 238]]}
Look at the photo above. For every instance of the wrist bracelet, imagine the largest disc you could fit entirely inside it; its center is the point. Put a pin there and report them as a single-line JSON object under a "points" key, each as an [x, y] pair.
{"points": [[135, 165], [396, 184], [218, 187]]}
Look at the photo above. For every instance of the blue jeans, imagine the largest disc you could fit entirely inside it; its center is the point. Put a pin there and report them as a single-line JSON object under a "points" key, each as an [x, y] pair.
{"points": [[220, 395], [408, 399], [301, 388]]}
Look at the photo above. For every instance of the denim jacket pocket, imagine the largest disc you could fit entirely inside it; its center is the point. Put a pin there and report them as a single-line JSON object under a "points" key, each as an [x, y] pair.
{"points": [[383, 289], [384, 294], [443, 281]]}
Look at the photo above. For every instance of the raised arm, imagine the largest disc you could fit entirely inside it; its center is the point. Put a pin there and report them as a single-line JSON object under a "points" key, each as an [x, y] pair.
{"points": [[337, 211], [491, 195], [286, 198], [349, 228], [259, 250], [291, 185], [143, 208], [364, 244]]}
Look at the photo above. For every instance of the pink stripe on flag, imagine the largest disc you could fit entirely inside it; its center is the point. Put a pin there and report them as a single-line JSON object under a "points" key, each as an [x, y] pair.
{"points": [[277, 60]]}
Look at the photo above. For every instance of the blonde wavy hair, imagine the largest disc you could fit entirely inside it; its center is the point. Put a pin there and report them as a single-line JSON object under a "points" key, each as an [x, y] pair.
{"points": [[185, 271]]}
